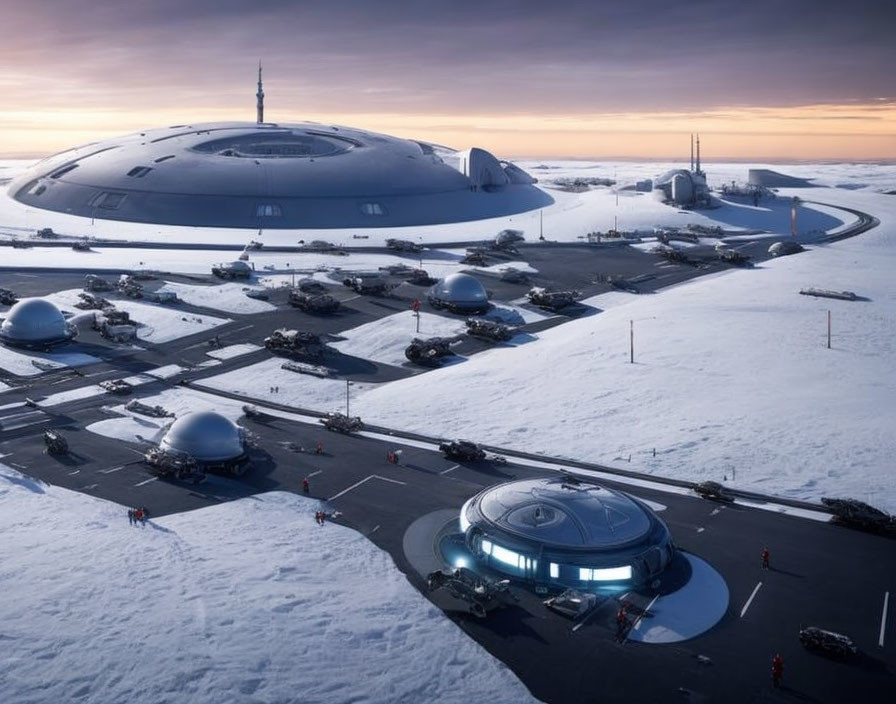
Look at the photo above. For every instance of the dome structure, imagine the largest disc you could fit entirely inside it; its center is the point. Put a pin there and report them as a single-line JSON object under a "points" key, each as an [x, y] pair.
{"points": [[268, 175], [36, 322], [566, 531], [206, 436], [459, 293]]}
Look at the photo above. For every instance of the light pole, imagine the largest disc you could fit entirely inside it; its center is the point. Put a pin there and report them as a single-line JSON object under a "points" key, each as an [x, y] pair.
{"points": [[347, 384], [631, 340]]}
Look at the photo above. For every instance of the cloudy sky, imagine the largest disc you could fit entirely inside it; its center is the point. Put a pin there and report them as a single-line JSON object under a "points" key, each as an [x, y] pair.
{"points": [[757, 78]]}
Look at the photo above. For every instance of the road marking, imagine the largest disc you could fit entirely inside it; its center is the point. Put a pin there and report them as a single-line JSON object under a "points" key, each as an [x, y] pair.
{"points": [[450, 469], [16, 464], [89, 486], [883, 619], [701, 529], [715, 511], [357, 484], [750, 600], [314, 474], [109, 471], [375, 529], [75, 472], [151, 479], [641, 616]]}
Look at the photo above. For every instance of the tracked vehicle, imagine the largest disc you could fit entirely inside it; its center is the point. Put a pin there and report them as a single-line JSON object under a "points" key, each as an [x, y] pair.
{"points": [[489, 330], [429, 351]]}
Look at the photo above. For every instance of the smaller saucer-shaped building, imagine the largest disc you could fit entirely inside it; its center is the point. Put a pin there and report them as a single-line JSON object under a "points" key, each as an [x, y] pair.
{"points": [[566, 532], [459, 293], [36, 323], [208, 437]]}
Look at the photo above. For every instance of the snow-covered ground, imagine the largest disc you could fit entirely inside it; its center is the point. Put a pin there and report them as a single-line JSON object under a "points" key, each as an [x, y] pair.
{"points": [[268, 381], [732, 377], [28, 363], [231, 298], [231, 351], [384, 340], [246, 601], [155, 323]]}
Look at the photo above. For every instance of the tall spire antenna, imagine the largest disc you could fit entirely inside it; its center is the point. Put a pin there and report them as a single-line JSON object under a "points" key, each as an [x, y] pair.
{"points": [[698, 154], [259, 107], [692, 151]]}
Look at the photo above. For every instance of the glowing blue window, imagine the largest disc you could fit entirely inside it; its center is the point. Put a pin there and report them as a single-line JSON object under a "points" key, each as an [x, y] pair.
{"points": [[508, 557], [555, 570], [609, 574], [487, 547]]}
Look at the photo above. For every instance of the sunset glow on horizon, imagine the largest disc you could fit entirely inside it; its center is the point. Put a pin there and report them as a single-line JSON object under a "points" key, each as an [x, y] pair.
{"points": [[516, 78]]}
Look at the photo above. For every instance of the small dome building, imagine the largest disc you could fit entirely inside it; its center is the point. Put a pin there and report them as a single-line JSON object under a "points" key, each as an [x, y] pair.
{"points": [[566, 532], [206, 436], [459, 293], [36, 322]]}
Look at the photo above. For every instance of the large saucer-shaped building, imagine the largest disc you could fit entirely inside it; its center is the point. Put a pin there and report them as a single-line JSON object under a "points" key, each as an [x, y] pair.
{"points": [[276, 175], [36, 322], [566, 532]]}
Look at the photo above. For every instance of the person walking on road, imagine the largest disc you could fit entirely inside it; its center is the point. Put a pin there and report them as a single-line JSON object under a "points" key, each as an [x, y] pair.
{"points": [[621, 622], [777, 670], [138, 516], [320, 448], [765, 556], [306, 485], [130, 516]]}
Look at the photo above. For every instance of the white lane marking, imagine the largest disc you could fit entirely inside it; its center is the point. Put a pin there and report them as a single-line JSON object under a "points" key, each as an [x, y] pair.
{"points": [[314, 474], [16, 464], [883, 619], [109, 471], [357, 484], [701, 529], [89, 486], [151, 479], [450, 469], [75, 472], [375, 529], [715, 511], [750, 600], [638, 620]]}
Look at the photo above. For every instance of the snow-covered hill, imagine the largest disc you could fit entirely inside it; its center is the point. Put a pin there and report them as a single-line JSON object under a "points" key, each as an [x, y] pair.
{"points": [[247, 601], [732, 377]]}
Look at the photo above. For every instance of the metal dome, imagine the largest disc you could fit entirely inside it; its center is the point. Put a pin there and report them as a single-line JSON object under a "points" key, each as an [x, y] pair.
{"points": [[565, 514], [566, 531], [35, 321], [306, 175], [205, 435], [460, 292]]}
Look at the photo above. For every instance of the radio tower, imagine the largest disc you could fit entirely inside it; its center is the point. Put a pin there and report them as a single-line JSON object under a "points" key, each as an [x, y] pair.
{"points": [[260, 96]]}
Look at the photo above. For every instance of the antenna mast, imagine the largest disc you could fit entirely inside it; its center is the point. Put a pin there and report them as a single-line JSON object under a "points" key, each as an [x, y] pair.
{"points": [[259, 107]]}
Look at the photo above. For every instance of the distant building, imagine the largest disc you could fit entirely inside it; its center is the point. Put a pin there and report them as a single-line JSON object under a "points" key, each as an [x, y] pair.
{"points": [[276, 175], [684, 187]]}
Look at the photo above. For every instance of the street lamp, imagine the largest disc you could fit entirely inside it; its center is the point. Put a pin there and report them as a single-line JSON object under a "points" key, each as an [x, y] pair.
{"points": [[347, 384]]}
